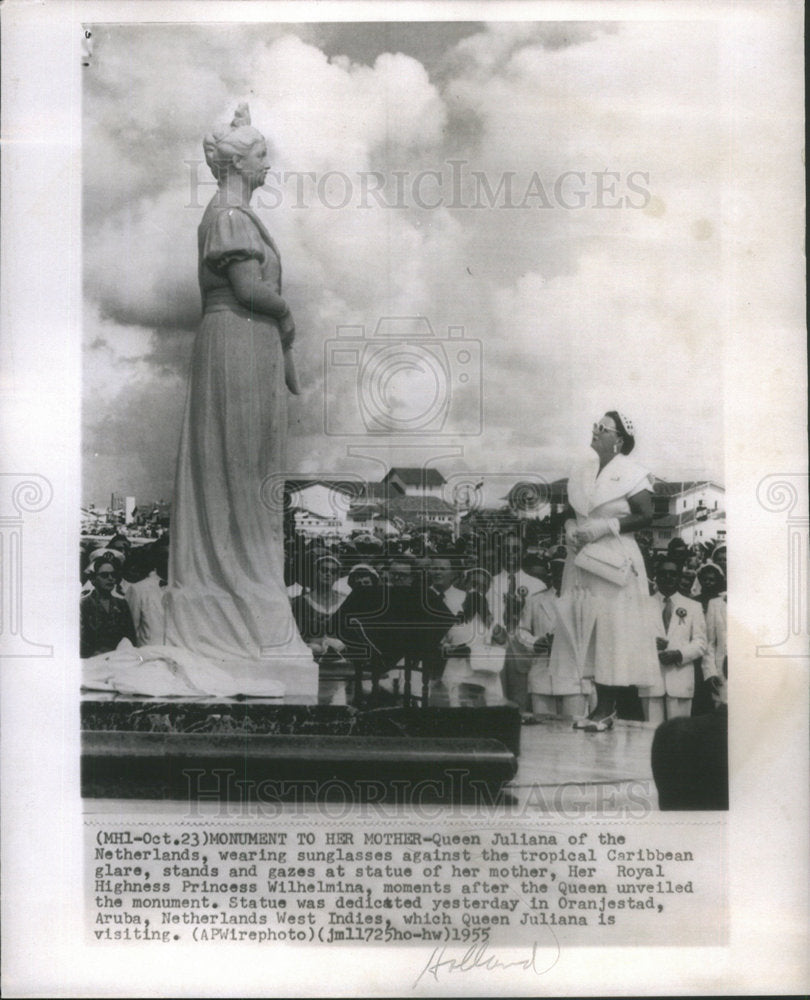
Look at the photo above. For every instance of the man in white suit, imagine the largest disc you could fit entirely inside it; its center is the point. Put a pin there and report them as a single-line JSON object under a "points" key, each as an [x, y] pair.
{"points": [[507, 598], [145, 600], [551, 695], [682, 640], [443, 597], [716, 632]]}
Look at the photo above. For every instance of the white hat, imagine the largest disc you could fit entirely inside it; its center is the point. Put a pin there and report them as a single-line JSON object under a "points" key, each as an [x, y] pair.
{"points": [[627, 423]]}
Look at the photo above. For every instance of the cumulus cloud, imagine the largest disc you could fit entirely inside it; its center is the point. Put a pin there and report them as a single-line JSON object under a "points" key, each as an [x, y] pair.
{"points": [[133, 264], [644, 338], [130, 442], [331, 114], [577, 291]]}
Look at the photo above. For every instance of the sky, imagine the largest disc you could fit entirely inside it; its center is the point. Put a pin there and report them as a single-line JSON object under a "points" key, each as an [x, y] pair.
{"points": [[531, 209]]}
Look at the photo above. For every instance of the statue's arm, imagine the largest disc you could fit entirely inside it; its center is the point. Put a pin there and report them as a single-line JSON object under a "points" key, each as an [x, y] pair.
{"points": [[255, 294], [252, 292]]}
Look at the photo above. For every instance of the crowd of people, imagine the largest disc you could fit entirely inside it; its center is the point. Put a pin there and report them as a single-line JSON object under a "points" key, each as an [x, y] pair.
{"points": [[481, 618]]}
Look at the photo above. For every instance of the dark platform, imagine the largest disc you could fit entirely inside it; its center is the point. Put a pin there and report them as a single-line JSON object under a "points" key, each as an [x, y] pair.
{"points": [[214, 716], [500, 722], [224, 716], [242, 750], [194, 767]]}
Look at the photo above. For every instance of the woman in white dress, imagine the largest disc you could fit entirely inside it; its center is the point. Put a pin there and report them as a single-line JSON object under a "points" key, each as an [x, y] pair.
{"points": [[605, 630], [474, 648], [226, 599]]}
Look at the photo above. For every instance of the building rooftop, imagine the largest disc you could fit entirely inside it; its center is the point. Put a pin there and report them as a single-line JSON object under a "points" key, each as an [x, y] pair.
{"points": [[365, 511], [664, 488], [382, 491], [350, 487], [431, 505], [558, 490], [415, 476]]}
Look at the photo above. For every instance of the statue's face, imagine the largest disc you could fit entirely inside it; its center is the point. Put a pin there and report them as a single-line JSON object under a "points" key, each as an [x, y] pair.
{"points": [[255, 164]]}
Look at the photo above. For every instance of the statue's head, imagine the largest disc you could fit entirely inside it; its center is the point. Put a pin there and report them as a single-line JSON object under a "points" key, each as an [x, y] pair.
{"points": [[237, 147]]}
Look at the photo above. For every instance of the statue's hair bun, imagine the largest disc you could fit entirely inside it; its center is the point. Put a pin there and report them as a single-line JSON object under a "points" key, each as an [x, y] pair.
{"points": [[222, 143], [241, 116]]}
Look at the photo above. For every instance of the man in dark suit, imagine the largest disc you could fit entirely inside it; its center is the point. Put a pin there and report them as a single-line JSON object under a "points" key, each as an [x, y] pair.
{"points": [[396, 619]]}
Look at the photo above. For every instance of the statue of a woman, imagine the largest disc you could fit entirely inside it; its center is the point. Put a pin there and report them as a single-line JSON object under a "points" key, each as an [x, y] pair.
{"points": [[226, 599]]}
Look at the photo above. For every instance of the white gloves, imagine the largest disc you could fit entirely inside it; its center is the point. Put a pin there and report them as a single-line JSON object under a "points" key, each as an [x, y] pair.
{"points": [[570, 531], [596, 528]]}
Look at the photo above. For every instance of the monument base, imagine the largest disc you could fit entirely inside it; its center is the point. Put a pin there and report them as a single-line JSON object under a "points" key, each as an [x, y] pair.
{"points": [[165, 671], [297, 676], [274, 769], [199, 748]]}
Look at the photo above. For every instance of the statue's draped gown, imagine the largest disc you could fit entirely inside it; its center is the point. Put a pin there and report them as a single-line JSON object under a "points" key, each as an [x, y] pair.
{"points": [[226, 599]]}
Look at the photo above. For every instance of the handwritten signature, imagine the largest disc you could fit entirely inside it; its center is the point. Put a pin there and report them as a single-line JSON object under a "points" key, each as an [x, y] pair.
{"points": [[476, 958]]}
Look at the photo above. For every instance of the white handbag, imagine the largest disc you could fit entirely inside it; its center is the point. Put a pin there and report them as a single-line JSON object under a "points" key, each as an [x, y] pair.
{"points": [[605, 561]]}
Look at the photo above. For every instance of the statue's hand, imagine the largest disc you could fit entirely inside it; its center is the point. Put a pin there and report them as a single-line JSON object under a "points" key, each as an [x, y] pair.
{"points": [[286, 328]]}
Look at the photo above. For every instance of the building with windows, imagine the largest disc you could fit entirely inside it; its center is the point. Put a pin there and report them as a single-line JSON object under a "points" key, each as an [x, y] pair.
{"points": [[321, 506], [692, 510], [153, 517], [416, 481], [423, 510], [123, 507], [372, 519], [393, 511]]}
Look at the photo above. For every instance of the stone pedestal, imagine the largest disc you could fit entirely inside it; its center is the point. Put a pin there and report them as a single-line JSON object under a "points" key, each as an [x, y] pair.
{"points": [[234, 750], [274, 769]]}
